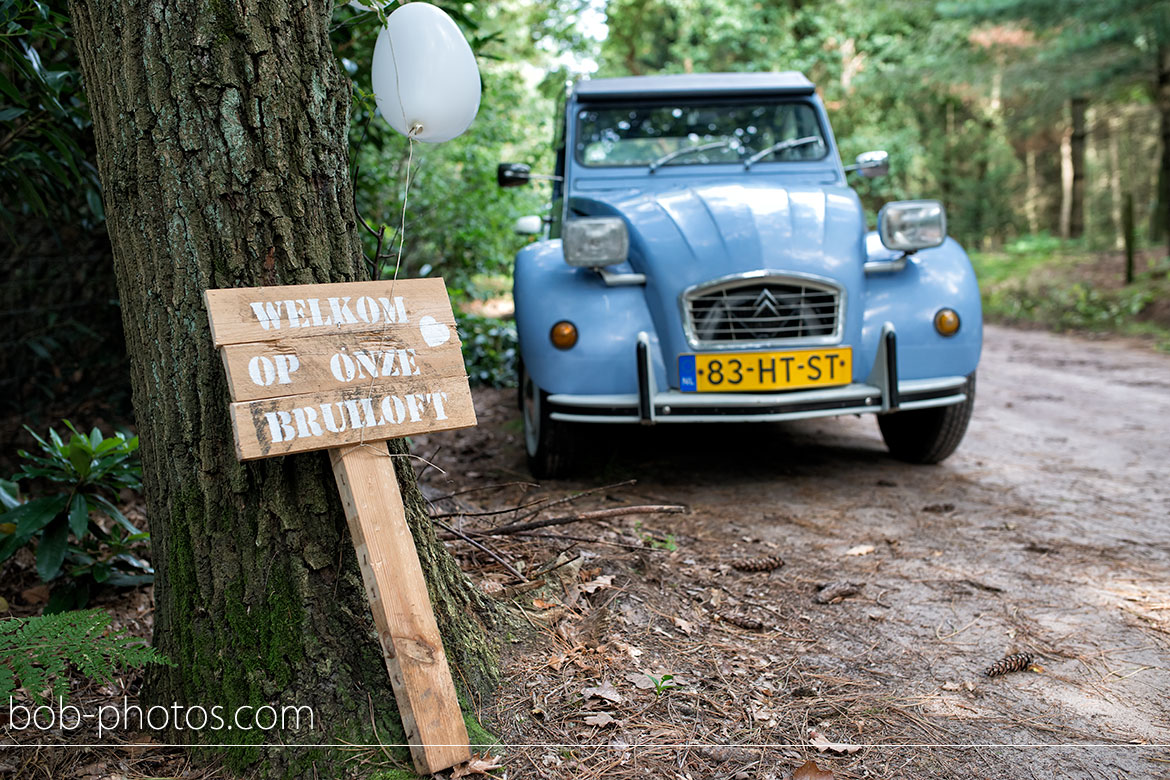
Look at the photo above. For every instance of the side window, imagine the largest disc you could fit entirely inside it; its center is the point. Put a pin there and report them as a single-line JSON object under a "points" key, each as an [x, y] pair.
{"points": [[558, 184]]}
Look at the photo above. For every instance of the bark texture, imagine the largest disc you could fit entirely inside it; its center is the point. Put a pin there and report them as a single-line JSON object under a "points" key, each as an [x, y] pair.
{"points": [[221, 128]]}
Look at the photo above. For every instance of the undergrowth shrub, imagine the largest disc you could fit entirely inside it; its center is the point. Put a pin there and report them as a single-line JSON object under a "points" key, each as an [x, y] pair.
{"points": [[489, 350], [82, 478]]}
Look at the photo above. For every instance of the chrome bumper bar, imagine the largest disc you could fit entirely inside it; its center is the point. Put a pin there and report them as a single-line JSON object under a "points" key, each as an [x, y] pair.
{"points": [[881, 392]]}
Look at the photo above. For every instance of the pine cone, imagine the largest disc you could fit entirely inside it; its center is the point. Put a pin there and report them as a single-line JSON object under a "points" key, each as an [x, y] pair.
{"points": [[743, 621], [1016, 662], [765, 563]]}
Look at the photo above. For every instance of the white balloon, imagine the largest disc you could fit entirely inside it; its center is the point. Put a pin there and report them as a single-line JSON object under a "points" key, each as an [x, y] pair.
{"points": [[425, 79]]}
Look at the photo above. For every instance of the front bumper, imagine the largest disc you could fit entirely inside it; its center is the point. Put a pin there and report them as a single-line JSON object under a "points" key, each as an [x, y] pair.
{"points": [[881, 392]]}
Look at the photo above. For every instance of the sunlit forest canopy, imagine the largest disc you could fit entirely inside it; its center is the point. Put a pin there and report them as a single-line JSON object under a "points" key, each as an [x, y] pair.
{"points": [[1024, 117]]}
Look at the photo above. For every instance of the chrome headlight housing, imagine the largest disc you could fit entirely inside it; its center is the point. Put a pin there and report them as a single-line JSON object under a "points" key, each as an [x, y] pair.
{"points": [[595, 242], [910, 225]]}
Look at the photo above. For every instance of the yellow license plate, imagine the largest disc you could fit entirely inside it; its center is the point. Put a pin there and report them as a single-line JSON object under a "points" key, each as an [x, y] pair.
{"points": [[753, 371]]}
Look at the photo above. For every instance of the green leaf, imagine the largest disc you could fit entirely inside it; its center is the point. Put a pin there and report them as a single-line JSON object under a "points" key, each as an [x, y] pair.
{"points": [[8, 114], [93, 199], [7, 88], [116, 515], [67, 597], [51, 551], [80, 456], [35, 515], [79, 516], [9, 494], [120, 580]]}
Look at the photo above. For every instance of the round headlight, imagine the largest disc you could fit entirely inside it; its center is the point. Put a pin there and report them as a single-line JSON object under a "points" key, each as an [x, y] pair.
{"points": [[563, 335], [946, 322]]}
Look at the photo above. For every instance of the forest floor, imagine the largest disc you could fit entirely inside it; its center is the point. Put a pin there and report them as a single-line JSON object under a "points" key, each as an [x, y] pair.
{"points": [[650, 654], [1048, 532]]}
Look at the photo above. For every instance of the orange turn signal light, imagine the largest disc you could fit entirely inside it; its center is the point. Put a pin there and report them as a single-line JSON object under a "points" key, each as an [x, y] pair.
{"points": [[946, 322], [563, 335]]}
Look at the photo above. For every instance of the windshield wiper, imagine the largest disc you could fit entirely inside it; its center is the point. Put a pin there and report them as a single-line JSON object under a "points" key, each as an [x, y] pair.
{"points": [[779, 147], [664, 159]]}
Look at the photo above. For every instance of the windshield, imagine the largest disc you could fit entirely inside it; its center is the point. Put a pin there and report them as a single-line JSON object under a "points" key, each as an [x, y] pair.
{"points": [[645, 135]]}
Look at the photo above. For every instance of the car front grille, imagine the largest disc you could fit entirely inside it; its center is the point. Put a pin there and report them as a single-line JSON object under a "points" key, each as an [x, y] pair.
{"points": [[757, 310]]}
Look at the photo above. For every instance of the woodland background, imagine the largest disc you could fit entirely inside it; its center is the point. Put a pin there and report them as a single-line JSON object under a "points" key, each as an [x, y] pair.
{"points": [[1034, 121]]}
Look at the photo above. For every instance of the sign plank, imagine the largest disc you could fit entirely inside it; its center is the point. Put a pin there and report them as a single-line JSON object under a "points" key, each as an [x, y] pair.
{"points": [[334, 361], [317, 421], [411, 645], [246, 314]]}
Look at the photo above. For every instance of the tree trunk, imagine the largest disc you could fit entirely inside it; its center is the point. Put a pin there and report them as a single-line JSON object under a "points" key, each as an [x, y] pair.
{"points": [[1160, 227], [221, 130], [1076, 218], [1113, 128], [1032, 191]]}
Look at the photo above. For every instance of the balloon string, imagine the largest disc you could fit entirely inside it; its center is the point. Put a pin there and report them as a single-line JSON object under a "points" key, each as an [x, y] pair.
{"points": [[398, 262], [405, 196]]}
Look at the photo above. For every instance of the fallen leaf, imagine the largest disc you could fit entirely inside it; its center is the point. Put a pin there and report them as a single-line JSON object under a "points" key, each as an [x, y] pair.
{"points": [[594, 585], [686, 626], [3, 604], [38, 594], [478, 765], [603, 691], [810, 771], [542, 604], [861, 549], [821, 743], [641, 681], [835, 591], [600, 719]]}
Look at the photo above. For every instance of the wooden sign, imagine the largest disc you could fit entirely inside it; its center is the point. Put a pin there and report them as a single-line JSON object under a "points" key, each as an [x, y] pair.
{"points": [[316, 366], [340, 366]]}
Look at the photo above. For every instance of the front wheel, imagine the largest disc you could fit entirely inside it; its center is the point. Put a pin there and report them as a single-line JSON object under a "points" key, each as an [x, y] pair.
{"points": [[555, 449], [928, 435]]}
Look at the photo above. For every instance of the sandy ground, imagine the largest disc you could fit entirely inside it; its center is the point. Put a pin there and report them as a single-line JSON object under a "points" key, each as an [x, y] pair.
{"points": [[641, 650], [1047, 532]]}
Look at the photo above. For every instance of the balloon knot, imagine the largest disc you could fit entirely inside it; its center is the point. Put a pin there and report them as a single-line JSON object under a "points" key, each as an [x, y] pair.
{"points": [[415, 129]]}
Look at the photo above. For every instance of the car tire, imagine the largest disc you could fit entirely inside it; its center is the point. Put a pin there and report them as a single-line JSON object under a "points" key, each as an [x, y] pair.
{"points": [[928, 435], [555, 449]]}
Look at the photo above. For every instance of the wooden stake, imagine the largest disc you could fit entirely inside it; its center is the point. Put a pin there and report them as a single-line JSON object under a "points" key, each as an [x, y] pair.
{"points": [[394, 582]]}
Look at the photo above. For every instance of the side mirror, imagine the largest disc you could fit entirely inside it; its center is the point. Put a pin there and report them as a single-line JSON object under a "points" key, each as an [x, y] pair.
{"points": [[513, 174], [528, 226], [871, 165]]}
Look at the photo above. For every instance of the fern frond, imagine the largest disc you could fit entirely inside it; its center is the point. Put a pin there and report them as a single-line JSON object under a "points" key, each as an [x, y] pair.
{"points": [[36, 653]]}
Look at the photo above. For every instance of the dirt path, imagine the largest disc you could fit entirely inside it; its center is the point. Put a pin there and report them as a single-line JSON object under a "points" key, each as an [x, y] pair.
{"points": [[1048, 532]]}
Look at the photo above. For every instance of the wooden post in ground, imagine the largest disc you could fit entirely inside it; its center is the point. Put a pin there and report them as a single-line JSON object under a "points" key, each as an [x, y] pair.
{"points": [[397, 592], [1128, 235]]}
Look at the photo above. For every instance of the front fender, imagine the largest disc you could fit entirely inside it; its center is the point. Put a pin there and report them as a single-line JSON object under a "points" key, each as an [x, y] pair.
{"points": [[608, 319], [909, 298]]}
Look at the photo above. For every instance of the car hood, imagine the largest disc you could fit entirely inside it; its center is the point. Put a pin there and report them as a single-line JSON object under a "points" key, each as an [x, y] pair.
{"points": [[687, 236], [693, 234]]}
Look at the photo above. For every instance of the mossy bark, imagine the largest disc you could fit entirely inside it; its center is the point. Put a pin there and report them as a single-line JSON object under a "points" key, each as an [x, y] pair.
{"points": [[222, 145]]}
